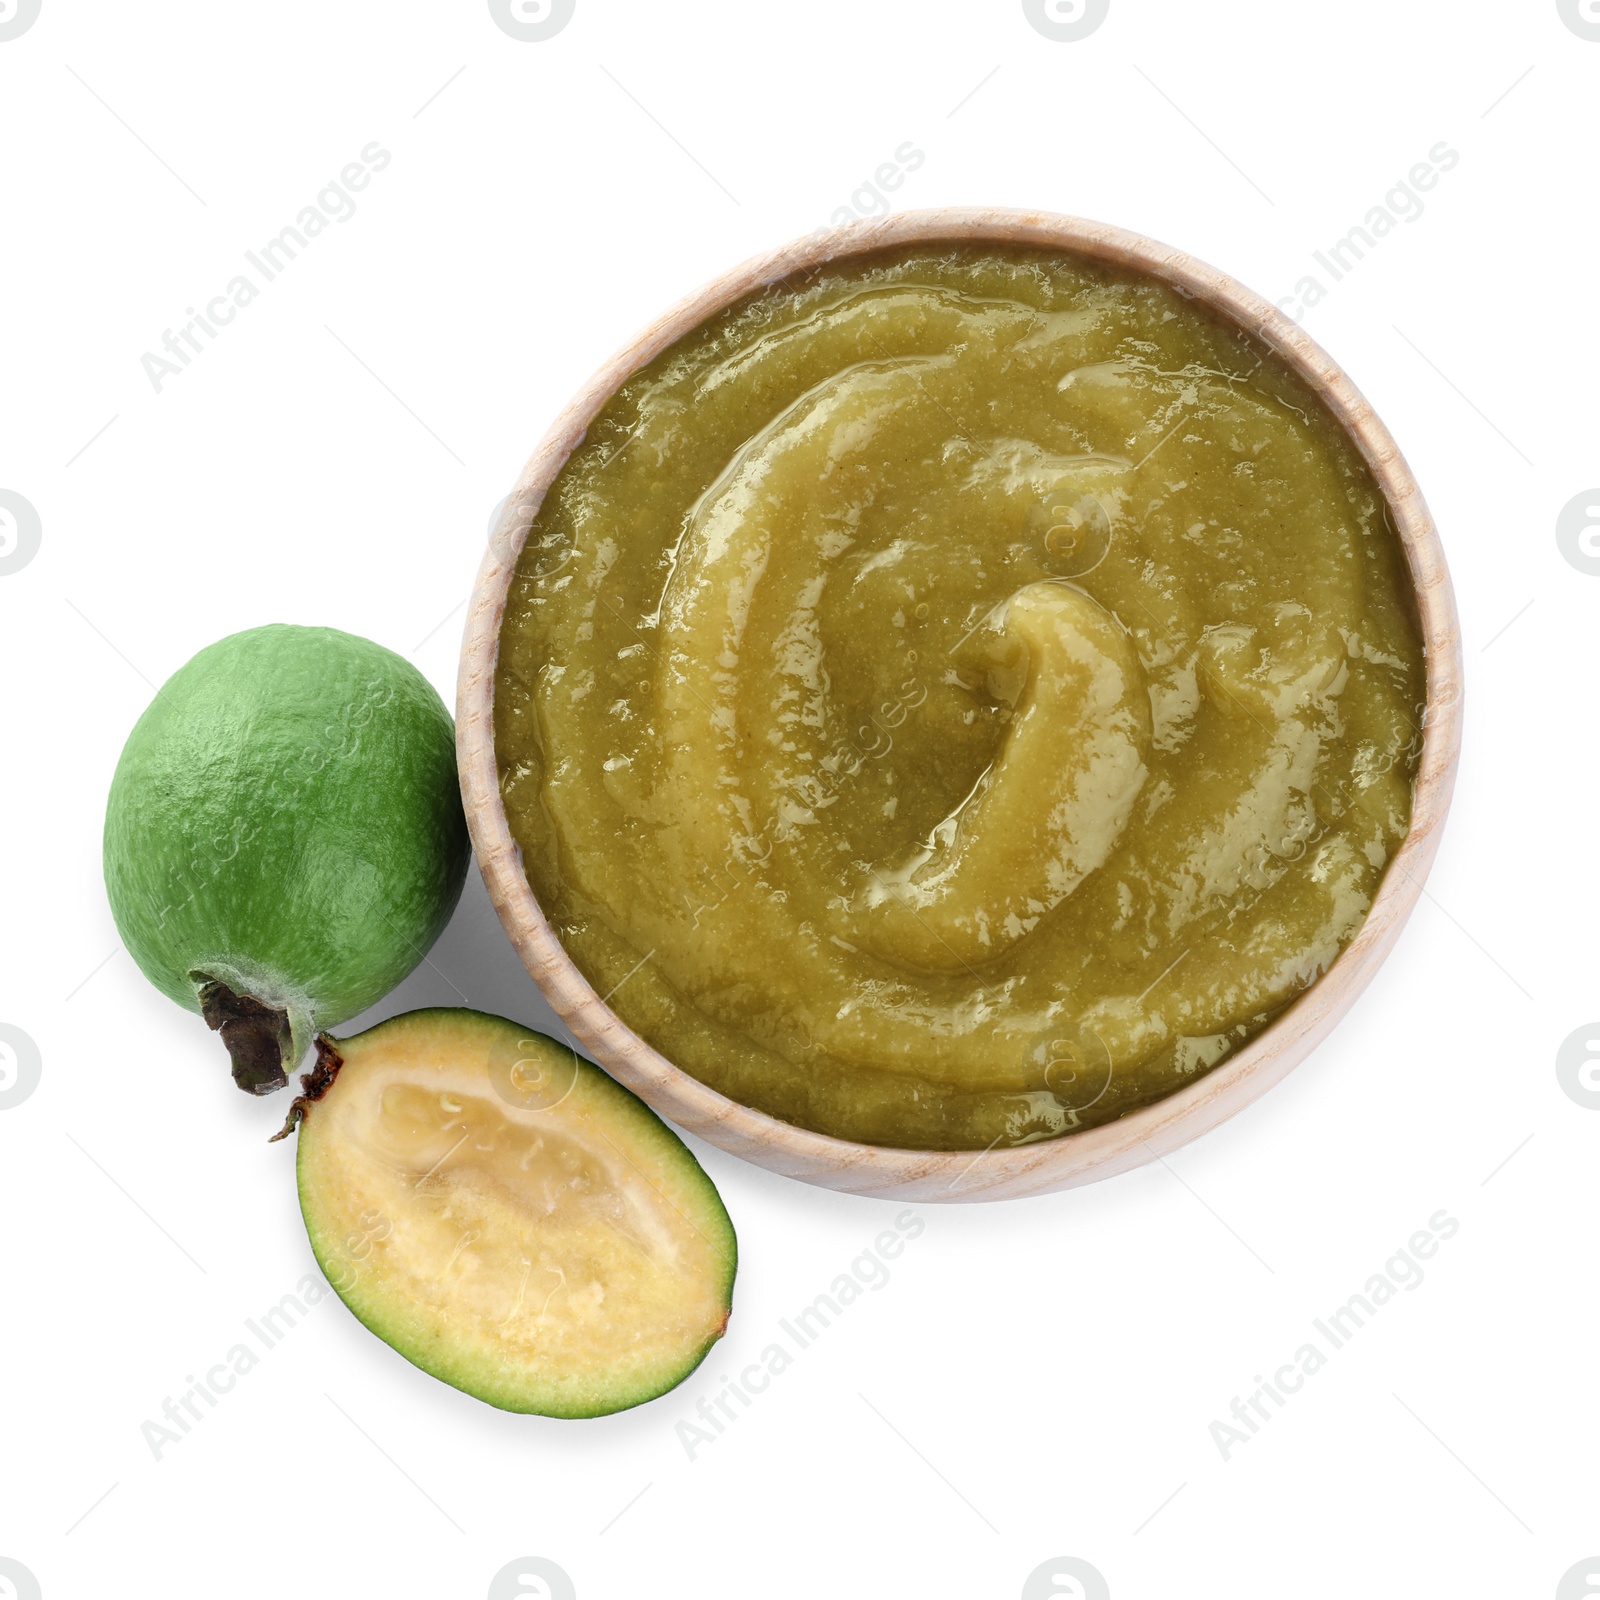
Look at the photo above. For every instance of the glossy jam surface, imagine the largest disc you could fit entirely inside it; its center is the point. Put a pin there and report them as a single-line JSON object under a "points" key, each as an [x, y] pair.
{"points": [[958, 697]]}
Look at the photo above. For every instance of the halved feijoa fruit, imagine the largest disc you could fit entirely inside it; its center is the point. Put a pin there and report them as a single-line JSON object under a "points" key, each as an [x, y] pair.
{"points": [[509, 1218]]}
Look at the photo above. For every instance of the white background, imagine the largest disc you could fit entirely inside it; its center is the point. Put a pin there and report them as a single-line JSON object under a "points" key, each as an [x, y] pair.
{"points": [[1039, 1378]]}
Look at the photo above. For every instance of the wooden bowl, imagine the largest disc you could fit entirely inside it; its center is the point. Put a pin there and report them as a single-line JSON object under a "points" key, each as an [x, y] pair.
{"points": [[1073, 1158]]}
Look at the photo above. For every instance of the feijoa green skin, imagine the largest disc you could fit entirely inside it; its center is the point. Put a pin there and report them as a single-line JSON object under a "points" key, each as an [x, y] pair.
{"points": [[284, 837], [509, 1218]]}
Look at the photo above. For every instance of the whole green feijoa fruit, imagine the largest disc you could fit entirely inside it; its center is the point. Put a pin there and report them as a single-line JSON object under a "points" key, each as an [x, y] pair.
{"points": [[284, 837]]}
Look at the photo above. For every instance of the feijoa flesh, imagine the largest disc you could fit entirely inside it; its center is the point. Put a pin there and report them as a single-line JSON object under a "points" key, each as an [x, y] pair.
{"points": [[284, 837], [508, 1217]]}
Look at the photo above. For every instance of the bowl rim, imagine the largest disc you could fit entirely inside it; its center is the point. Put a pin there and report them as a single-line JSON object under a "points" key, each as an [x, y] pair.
{"points": [[1069, 1159]]}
